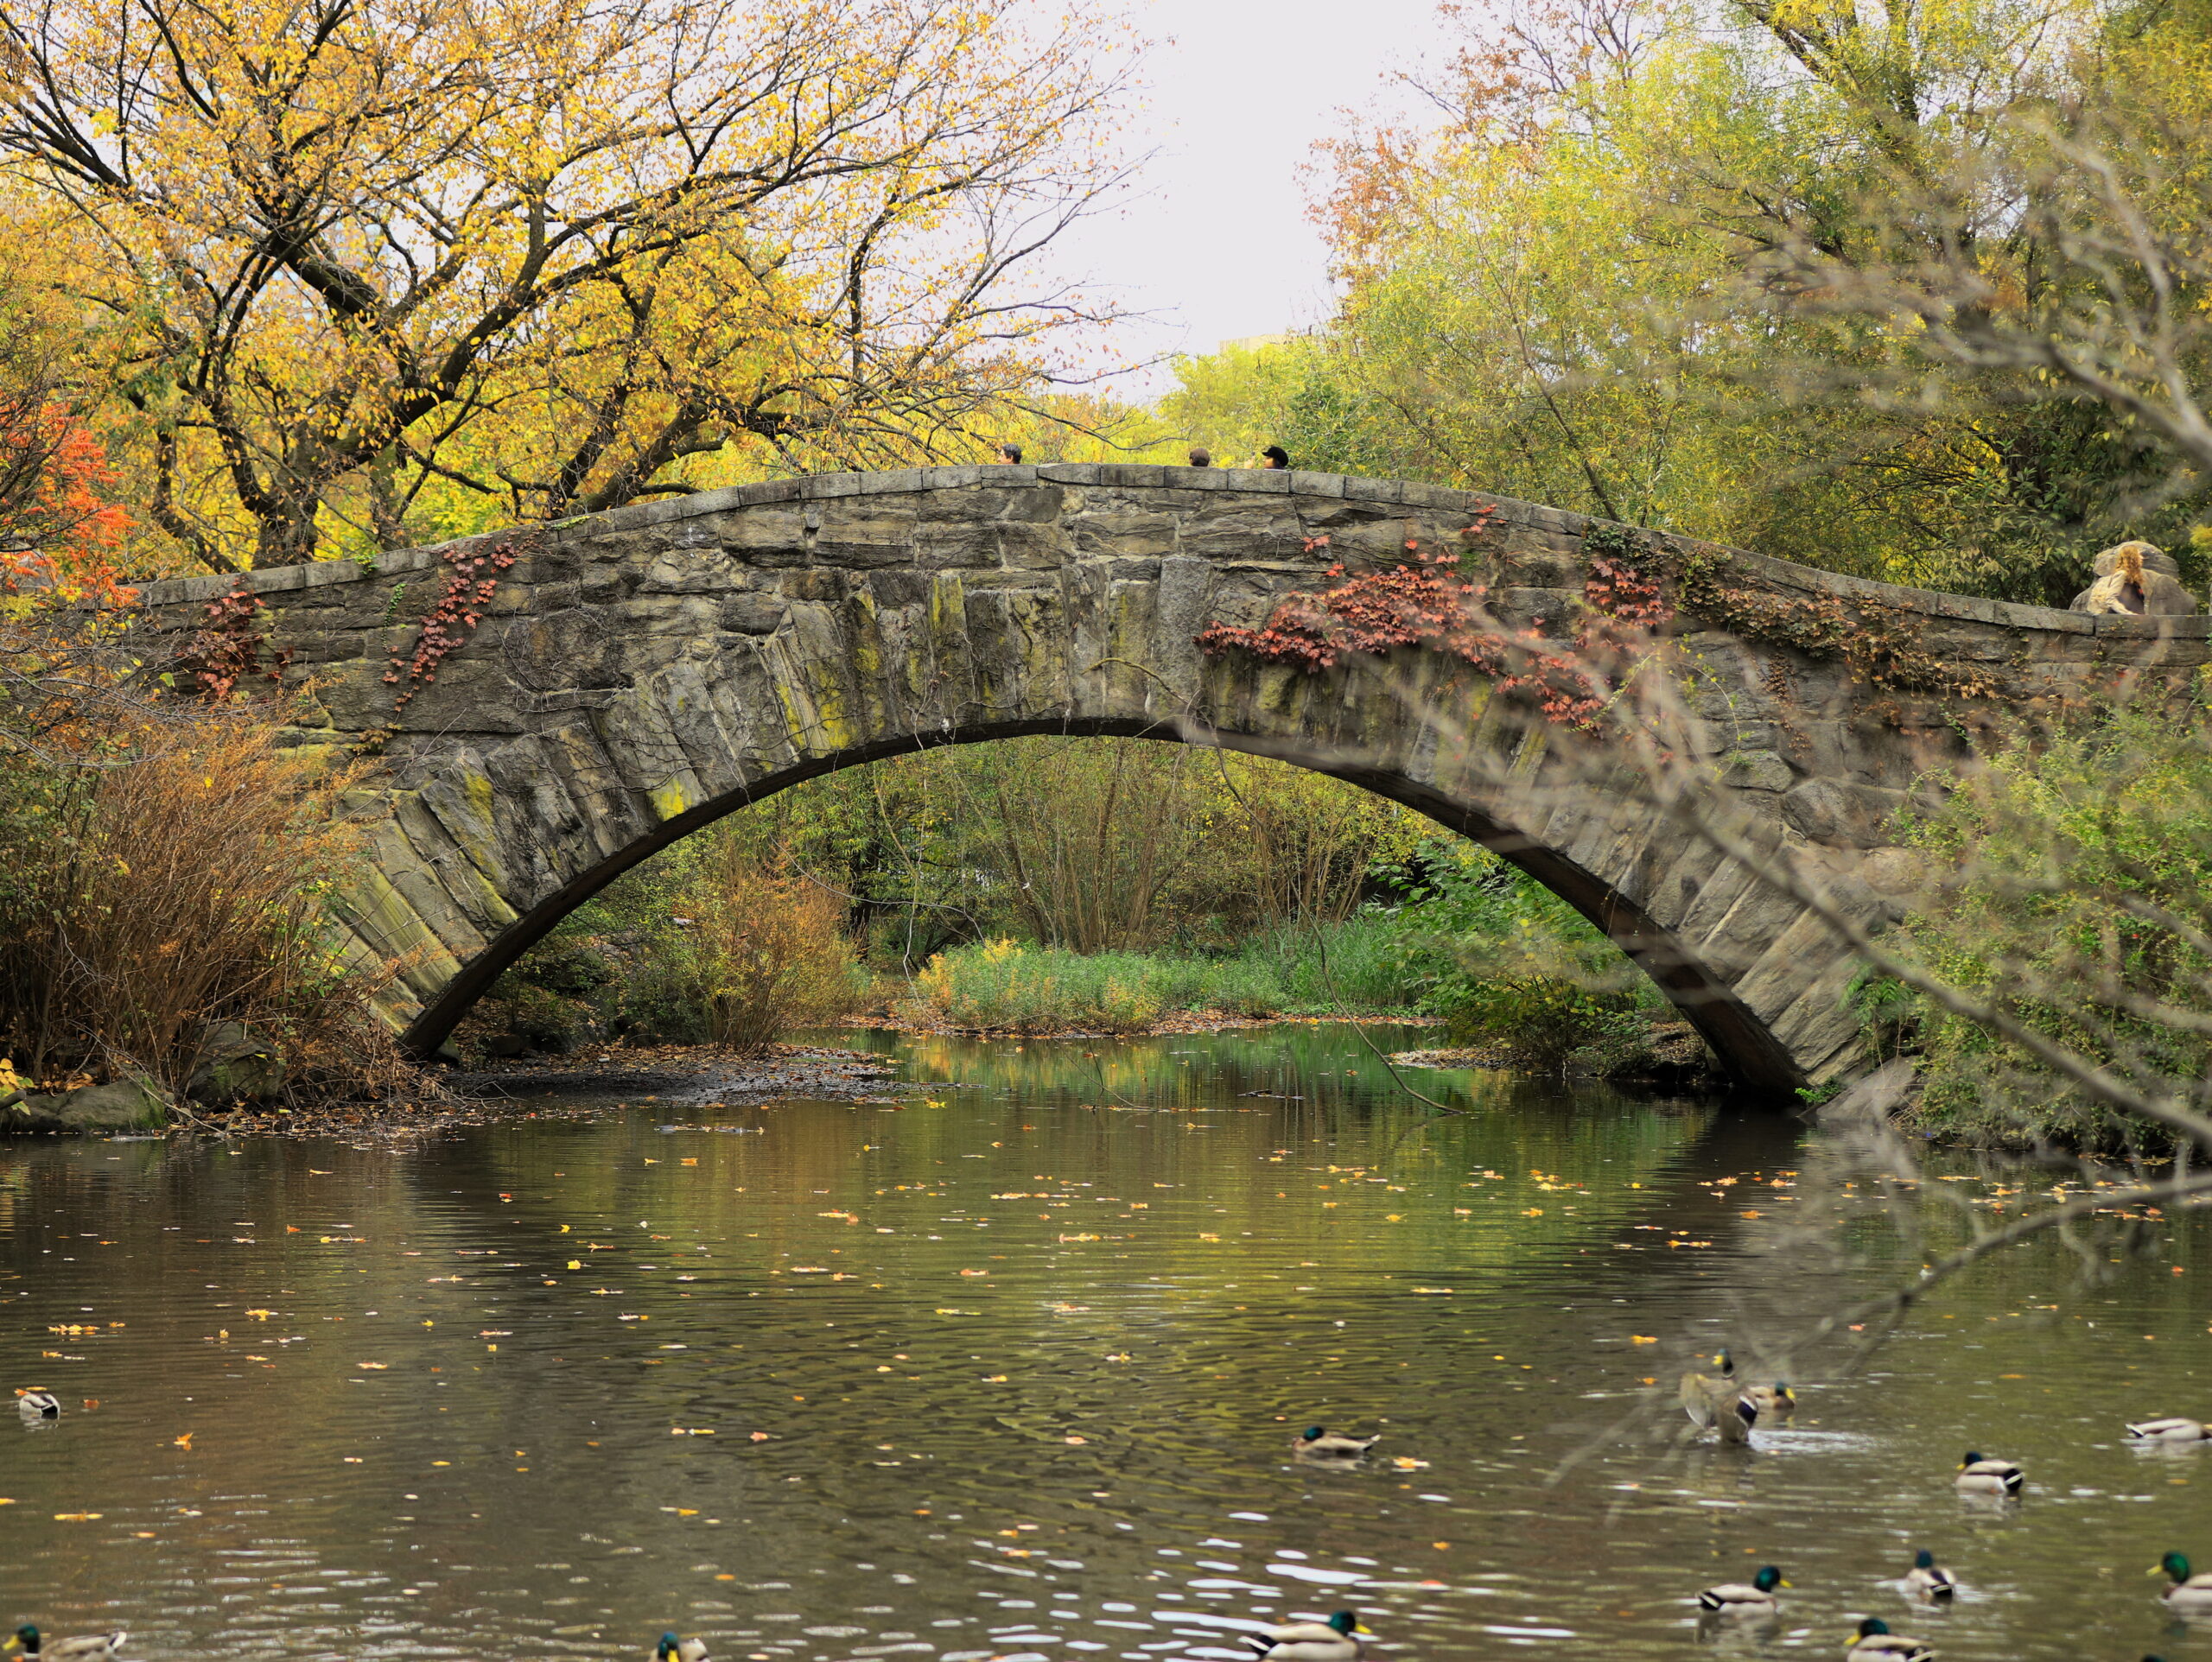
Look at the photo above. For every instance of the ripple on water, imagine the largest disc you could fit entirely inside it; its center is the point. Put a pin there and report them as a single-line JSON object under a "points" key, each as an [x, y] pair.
{"points": [[989, 1380]]}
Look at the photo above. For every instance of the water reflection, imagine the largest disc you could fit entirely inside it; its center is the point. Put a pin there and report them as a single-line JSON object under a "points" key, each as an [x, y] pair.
{"points": [[1009, 1368]]}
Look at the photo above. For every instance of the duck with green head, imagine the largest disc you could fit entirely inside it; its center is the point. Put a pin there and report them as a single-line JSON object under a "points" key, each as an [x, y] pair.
{"points": [[673, 1647], [1318, 1443], [1336, 1639], [30, 1642], [1978, 1476], [1874, 1642], [1776, 1400], [1928, 1579], [1736, 1600], [2191, 1594]]}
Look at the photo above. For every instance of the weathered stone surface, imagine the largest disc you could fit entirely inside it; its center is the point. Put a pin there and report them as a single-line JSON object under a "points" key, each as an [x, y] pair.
{"points": [[235, 1065], [641, 674], [121, 1105]]}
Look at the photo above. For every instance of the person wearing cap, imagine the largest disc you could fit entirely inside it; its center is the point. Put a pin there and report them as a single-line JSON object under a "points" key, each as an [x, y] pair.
{"points": [[1274, 456]]}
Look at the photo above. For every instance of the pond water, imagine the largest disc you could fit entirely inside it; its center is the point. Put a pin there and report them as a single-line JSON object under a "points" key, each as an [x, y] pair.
{"points": [[1008, 1367]]}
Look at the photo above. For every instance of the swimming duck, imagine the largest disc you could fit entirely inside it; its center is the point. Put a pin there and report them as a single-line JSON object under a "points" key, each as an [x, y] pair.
{"points": [[1980, 1476], [1333, 1641], [39, 1404], [1777, 1398], [2191, 1594], [2169, 1431], [1736, 1599], [1874, 1642], [673, 1647], [1929, 1579], [1318, 1443], [27, 1640]]}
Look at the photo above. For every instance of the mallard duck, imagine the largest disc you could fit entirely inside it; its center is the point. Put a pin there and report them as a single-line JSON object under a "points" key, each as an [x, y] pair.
{"points": [[39, 1404], [1777, 1398], [1980, 1476], [1736, 1599], [1717, 1400], [673, 1647], [2169, 1431], [1333, 1641], [1874, 1642], [1929, 1579], [27, 1640], [2184, 1592], [1318, 1443], [1700, 1391]]}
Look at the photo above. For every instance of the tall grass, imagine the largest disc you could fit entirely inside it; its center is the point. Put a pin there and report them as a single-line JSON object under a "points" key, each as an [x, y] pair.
{"points": [[1354, 967]]}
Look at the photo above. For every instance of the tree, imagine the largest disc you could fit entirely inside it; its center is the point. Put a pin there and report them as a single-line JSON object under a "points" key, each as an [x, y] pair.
{"points": [[59, 522], [1710, 265], [541, 252]]}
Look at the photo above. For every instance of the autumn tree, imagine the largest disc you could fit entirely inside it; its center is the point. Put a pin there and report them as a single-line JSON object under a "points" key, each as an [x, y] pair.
{"points": [[541, 253], [1780, 276]]}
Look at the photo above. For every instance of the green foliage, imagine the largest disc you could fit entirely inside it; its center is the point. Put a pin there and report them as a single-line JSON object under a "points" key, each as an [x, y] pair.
{"points": [[1564, 293], [2081, 905], [1505, 964], [1050, 884], [1542, 1022], [1002, 987]]}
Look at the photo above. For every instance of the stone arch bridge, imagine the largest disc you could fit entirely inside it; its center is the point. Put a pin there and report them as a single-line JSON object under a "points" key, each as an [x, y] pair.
{"points": [[637, 675]]}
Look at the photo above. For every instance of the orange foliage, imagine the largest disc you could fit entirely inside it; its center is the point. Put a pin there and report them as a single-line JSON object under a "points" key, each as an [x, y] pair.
{"points": [[55, 489]]}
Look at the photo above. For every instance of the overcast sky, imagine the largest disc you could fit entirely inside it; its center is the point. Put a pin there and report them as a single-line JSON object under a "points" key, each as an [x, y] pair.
{"points": [[1216, 241]]}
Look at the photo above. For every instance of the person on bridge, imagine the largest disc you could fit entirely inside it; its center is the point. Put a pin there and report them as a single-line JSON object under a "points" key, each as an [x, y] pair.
{"points": [[1200, 456], [2135, 579], [1010, 454], [1274, 456]]}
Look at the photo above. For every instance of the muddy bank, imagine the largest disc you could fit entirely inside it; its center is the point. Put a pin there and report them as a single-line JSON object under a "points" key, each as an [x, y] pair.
{"points": [[681, 1076]]}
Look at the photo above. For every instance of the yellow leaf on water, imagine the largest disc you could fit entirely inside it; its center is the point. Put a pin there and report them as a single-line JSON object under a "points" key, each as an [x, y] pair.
{"points": [[75, 1517], [184, 1442], [373, 1367]]}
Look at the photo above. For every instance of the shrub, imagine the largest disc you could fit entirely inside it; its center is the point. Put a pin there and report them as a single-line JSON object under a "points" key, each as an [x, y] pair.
{"points": [[764, 952], [166, 874], [1545, 1023], [2077, 899], [1004, 987]]}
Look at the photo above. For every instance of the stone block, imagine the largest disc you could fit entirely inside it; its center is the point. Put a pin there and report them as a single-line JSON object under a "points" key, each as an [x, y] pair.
{"points": [[940, 547], [121, 1105], [1756, 769], [1837, 812]]}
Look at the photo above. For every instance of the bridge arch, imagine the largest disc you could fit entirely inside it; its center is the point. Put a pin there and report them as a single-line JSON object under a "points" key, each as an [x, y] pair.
{"points": [[637, 675]]}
